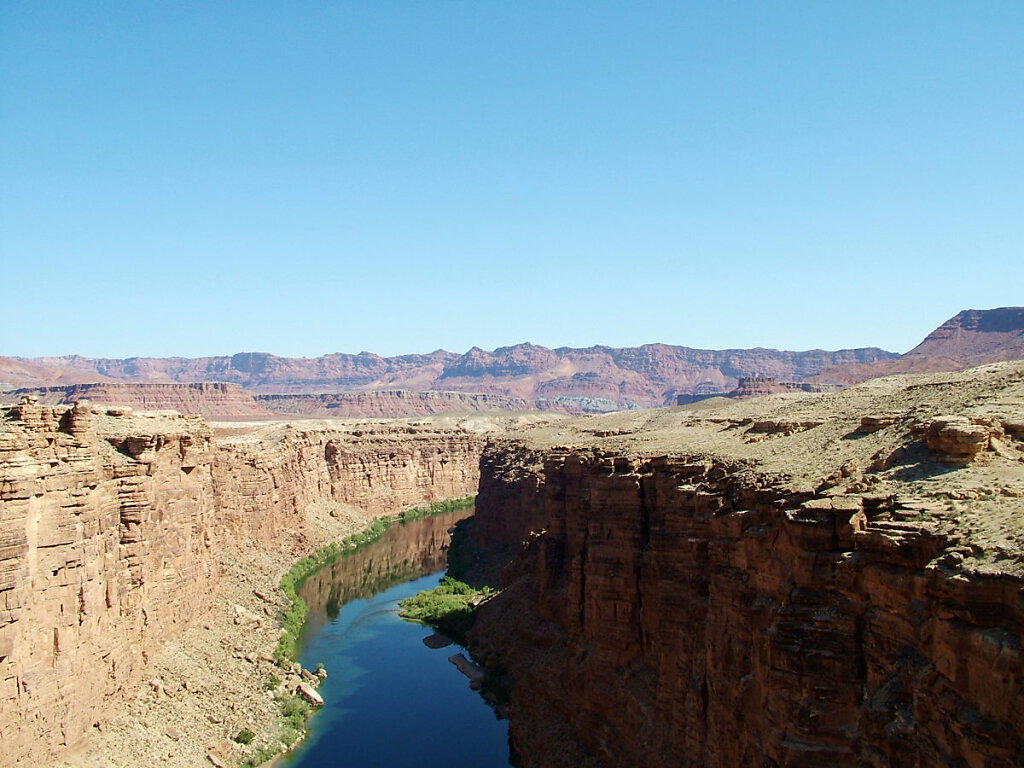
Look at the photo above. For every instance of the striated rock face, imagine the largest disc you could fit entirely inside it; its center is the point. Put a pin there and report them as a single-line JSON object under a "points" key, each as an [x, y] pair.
{"points": [[213, 400], [376, 468], [746, 607], [969, 338], [596, 379], [105, 551], [684, 612], [112, 529], [398, 402]]}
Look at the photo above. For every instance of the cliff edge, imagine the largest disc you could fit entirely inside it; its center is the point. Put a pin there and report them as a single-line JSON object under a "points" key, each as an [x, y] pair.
{"points": [[139, 559], [804, 580]]}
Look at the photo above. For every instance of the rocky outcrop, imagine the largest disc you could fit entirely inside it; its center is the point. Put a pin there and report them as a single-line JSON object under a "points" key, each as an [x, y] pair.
{"points": [[755, 386], [213, 400], [684, 597], [113, 525]]}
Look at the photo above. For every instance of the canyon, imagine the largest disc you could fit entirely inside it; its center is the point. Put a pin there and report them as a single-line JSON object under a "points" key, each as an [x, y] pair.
{"points": [[797, 579]]}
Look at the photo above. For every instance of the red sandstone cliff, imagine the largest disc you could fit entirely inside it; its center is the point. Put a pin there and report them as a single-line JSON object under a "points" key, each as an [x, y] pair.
{"points": [[113, 528], [800, 586], [970, 338], [105, 551], [213, 400], [397, 402]]}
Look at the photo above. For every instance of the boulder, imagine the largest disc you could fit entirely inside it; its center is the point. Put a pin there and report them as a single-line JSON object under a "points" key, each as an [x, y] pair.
{"points": [[309, 694], [956, 438]]}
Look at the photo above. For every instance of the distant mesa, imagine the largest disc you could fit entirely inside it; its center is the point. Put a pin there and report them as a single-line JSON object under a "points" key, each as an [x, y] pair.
{"points": [[520, 377], [755, 386], [214, 400], [970, 338]]}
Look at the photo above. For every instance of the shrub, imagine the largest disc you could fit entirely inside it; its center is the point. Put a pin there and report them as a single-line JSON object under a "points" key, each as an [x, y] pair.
{"points": [[245, 736], [449, 606], [437, 508]]}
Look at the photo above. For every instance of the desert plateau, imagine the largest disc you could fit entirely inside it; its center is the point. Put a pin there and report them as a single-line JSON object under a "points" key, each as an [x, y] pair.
{"points": [[797, 578]]}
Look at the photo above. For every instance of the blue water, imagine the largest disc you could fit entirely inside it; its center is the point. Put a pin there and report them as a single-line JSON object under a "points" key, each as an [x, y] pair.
{"points": [[390, 700]]}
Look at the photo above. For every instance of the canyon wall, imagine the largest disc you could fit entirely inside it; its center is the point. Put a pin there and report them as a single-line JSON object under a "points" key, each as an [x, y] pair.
{"points": [[686, 612], [213, 400], [112, 529], [399, 402], [105, 550], [823, 588]]}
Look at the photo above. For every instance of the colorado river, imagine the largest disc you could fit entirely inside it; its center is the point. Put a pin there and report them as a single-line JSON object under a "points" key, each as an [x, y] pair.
{"points": [[390, 700]]}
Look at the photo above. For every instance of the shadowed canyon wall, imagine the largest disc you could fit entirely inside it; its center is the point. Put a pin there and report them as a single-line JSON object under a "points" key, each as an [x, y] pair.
{"points": [[112, 527], [693, 612]]}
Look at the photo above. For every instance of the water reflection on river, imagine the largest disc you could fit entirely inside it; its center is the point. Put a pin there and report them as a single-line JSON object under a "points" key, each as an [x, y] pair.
{"points": [[390, 700]]}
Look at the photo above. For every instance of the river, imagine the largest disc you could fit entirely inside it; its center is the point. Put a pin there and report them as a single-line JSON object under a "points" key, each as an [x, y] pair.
{"points": [[390, 700]]}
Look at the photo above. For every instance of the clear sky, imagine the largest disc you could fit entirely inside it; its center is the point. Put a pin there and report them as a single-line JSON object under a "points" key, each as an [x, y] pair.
{"points": [[209, 177]]}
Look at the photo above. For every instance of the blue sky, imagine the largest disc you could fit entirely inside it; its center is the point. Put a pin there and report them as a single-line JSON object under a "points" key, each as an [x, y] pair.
{"points": [[198, 178]]}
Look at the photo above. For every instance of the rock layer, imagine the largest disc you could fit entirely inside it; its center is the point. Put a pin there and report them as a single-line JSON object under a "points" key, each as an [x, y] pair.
{"points": [[213, 400], [595, 379], [399, 402], [699, 608], [112, 529]]}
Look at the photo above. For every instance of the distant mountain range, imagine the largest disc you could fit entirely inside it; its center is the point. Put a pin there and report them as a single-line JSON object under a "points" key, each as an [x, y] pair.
{"points": [[600, 378], [566, 379]]}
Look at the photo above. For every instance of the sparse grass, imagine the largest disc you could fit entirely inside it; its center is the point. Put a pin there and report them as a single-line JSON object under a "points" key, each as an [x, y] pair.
{"points": [[437, 508], [295, 711], [271, 683], [259, 757]]}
